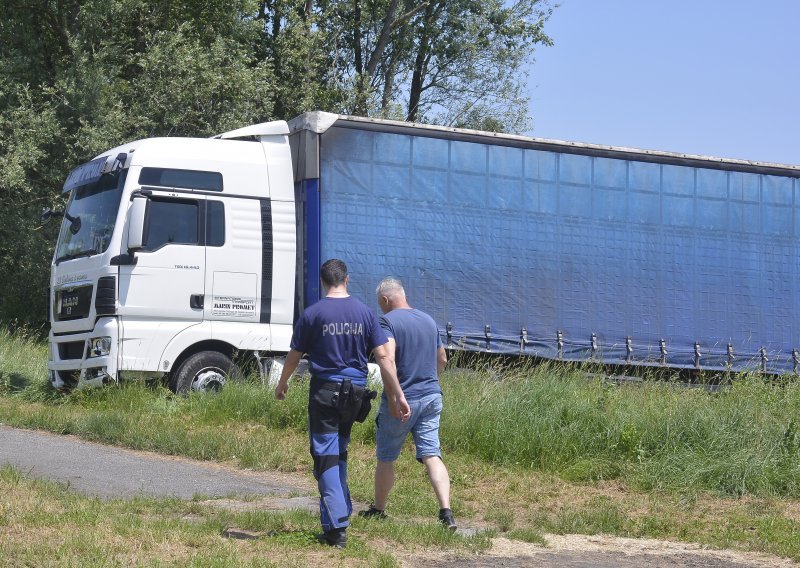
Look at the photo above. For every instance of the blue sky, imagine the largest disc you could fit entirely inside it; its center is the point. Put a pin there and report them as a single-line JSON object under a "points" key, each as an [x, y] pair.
{"points": [[710, 77]]}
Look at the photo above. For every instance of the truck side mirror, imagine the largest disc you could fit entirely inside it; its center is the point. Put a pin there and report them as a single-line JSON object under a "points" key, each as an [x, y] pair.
{"points": [[136, 221], [46, 215]]}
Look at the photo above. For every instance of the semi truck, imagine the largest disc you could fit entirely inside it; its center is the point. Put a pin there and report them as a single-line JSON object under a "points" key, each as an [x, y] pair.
{"points": [[176, 253]]}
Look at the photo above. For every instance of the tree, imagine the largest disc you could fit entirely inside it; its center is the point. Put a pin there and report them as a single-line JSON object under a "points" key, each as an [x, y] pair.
{"points": [[469, 63], [101, 73], [452, 62], [295, 44], [28, 134]]}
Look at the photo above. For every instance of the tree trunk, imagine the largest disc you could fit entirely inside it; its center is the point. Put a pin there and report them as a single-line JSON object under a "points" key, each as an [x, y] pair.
{"points": [[360, 106], [388, 85], [415, 92], [420, 70], [383, 39]]}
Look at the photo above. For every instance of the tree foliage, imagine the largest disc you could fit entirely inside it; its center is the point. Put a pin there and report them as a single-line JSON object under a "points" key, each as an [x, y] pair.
{"points": [[452, 62], [80, 76]]}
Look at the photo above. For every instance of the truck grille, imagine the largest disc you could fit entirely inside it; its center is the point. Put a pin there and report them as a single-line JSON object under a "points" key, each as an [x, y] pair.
{"points": [[70, 378], [71, 350]]}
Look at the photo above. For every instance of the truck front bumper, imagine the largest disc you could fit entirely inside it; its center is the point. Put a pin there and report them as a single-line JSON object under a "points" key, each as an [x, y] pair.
{"points": [[77, 360]]}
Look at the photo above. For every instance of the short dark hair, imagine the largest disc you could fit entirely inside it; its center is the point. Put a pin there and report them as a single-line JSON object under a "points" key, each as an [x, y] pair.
{"points": [[333, 272]]}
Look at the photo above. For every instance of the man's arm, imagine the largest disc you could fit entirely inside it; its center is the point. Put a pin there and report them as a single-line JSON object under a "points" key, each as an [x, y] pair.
{"points": [[441, 360], [292, 360], [384, 357]]}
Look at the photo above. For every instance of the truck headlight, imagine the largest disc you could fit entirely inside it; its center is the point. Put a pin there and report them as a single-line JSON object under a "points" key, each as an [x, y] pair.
{"points": [[99, 346]]}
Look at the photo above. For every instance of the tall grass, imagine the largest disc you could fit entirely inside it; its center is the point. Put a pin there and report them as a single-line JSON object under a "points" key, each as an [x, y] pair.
{"points": [[23, 363], [745, 440]]}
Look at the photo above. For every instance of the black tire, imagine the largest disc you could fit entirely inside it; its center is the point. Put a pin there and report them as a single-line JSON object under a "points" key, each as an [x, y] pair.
{"points": [[204, 371]]}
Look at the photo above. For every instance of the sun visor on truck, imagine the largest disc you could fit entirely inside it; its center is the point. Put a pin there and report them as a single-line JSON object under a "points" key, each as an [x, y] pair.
{"points": [[91, 172], [85, 174]]}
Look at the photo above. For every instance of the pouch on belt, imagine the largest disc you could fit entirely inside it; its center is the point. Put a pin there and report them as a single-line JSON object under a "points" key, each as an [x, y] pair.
{"points": [[355, 402]]}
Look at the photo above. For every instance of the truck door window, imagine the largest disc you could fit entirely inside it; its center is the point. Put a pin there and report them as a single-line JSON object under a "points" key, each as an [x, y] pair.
{"points": [[171, 222], [215, 224]]}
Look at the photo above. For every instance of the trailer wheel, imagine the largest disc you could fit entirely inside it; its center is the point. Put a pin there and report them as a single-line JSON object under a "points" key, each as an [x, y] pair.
{"points": [[204, 371]]}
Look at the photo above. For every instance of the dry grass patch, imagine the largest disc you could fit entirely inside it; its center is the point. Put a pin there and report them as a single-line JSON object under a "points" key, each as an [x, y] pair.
{"points": [[521, 499], [792, 511]]}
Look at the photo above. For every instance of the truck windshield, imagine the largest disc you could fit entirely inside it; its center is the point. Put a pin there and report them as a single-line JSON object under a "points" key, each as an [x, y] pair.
{"points": [[90, 216]]}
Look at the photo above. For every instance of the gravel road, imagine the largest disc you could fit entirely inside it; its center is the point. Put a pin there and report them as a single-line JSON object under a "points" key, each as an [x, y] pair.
{"points": [[112, 472]]}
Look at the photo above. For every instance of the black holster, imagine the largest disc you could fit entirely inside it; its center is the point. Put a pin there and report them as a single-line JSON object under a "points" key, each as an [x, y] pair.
{"points": [[366, 404], [355, 402]]}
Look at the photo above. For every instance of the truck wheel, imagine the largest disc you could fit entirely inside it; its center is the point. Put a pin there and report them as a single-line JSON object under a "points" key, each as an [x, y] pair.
{"points": [[205, 371]]}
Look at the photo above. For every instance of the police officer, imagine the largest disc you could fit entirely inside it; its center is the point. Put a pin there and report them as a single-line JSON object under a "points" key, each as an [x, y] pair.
{"points": [[338, 333]]}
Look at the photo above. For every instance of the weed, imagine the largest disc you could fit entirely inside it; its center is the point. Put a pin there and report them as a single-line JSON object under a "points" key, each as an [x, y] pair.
{"points": [[527, 535], [502, 518]]}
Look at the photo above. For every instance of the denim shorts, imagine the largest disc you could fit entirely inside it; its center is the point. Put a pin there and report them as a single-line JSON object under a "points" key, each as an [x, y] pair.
{"points": [[423, 425]]}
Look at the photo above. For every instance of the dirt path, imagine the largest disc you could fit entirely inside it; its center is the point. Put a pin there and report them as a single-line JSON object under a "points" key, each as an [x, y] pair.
{"points": [[113, 472], [601, 551]]}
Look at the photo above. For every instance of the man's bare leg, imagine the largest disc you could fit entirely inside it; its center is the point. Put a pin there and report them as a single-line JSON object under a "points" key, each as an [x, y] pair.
{"points": [[440, 479], [384, 481]]}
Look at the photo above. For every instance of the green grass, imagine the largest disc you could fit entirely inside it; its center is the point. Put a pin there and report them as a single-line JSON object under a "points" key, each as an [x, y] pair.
{"points": [[657, 435], [542, 450], [742, 441], [23, 364], [43, 524]]}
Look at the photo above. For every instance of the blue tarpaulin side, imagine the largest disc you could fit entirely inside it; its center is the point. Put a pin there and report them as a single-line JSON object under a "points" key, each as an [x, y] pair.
{"points": [[495, 240], [311, 220]]}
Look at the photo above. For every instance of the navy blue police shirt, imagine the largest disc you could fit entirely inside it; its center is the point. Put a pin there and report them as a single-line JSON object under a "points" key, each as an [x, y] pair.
{"points": [[416, 353], [338, 335]]}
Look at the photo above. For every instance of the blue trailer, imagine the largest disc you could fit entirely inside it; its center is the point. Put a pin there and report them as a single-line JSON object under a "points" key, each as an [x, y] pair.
{"points": [[175, 253], [558, 250]]}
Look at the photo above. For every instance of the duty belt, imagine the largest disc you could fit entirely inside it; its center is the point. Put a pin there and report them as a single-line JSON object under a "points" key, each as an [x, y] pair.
{"points": [[325, 384], [343, 388]]}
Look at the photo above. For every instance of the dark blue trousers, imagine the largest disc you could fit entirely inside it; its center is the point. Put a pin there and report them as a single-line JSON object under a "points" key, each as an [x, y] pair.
{"points": [[329, 435]]}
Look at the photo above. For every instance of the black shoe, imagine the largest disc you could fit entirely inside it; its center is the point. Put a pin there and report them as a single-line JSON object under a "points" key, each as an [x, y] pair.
{"points": [[372, 513], [446, 518], [336, 538]]}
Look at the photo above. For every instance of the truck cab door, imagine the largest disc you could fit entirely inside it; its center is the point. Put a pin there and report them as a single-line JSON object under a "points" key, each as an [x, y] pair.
{"points": [[167, 282], [162, 292]]}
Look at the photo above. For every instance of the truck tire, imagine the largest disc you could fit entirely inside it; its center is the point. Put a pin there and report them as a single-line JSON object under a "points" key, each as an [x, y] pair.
{"points": [[204, 371]]}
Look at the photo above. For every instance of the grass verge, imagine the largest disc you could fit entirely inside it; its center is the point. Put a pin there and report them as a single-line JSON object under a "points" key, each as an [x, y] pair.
{"points": [[42, 524], [541, 451]]}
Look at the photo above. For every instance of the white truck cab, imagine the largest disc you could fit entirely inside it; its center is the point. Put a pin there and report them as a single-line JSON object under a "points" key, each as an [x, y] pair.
{"points": [[173, 254]]}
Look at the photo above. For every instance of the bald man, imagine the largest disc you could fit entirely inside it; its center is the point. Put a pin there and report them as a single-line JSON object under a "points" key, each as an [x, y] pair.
{"points": [[420, 357]]}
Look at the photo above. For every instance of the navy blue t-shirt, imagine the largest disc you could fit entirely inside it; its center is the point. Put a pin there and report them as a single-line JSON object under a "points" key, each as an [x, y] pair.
{"points": [[416, 354], [338, 335]]}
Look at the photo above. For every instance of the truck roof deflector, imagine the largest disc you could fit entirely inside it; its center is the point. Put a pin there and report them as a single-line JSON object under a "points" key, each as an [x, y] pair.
{"points": [[276, 128]]}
